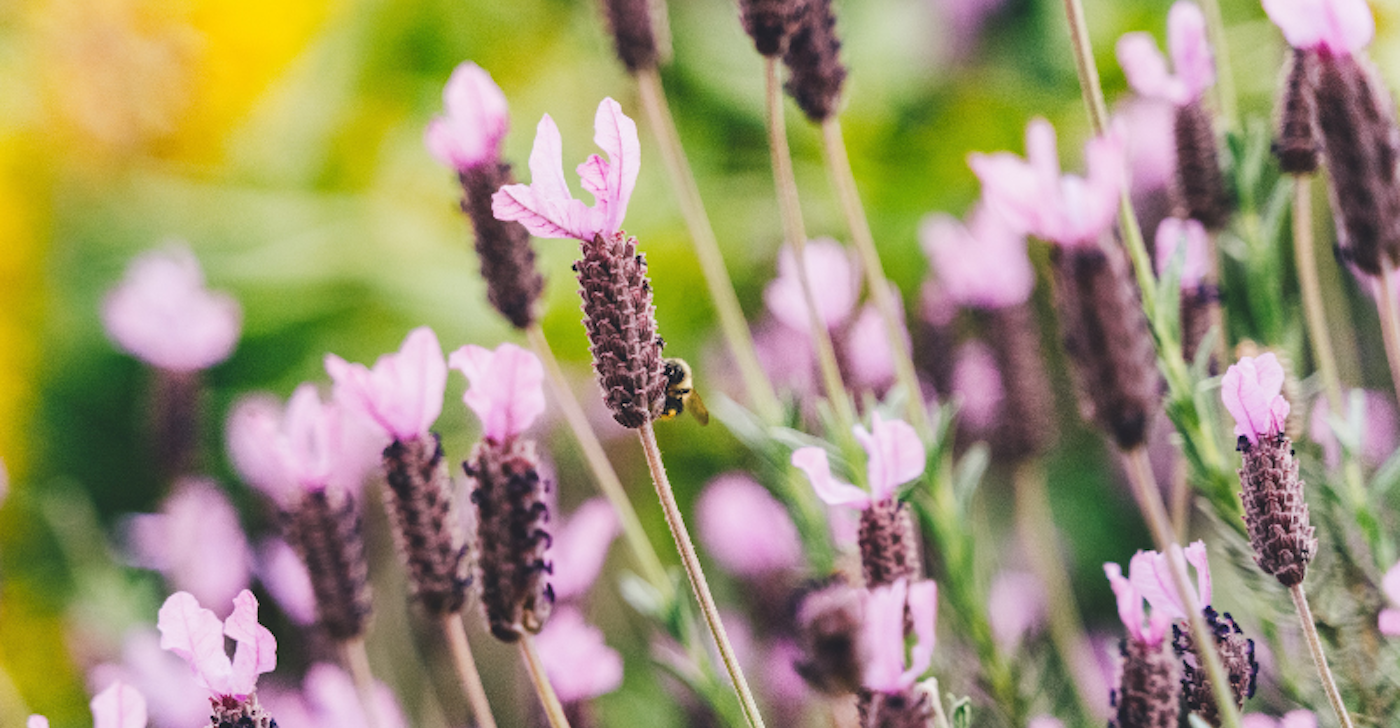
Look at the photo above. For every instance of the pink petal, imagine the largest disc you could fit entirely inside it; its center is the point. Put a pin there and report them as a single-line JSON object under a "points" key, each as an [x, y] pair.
{"points": [[580, 665], [1130, 609], [923, 610], [197, 636], [1340, 26], [1011, 189], [1172, 234], [1190, 49], [1196, 556], [1251, 392], [256, 448], [1390, 584], [883, 635], [616, 134], [813, 462], [163, 314], [37, 721], [1146, 68], [1389, 622], [978, 388], [476, 120], [1151, 576], [196, 542], [580, 547], [257, 648], [1298, 719], [507, 388], [1015, 608], [983, 264], [545, 207], [284, 576], [895, 455], [119, 706], [1045, 721], [403, 392], [1258, 720], [745, 528], [174, 698], [869, 356], [312, 431], [834, 281]]}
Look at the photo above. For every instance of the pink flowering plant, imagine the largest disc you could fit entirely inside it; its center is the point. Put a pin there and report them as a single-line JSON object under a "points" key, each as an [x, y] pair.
{"points": [[197, 636], [1194, 67], [402, 393]]}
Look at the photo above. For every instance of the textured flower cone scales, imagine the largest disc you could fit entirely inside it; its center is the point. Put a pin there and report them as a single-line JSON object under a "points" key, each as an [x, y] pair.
{"points": [[889, 545], [905, 709], [1197, 315], [419, 501], [1107, 341], [1236, 654], [1275, 513], [1024, 426], [633, 36], [228, 712], [324, 529], [813, 58], [1200, 186], [1148, 687], [828, 634], [1296, 145], [1360, 145], [513, 283], [512, 537], [770, 22], [621, 324]]}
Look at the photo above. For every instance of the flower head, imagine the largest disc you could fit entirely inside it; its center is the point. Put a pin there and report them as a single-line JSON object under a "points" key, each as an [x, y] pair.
{"points": [[1340, 27], [982, 264], [1251, 391], [1151, 631], [1150, 572], [580, 546], [402, 393], [746, 529], [1173, 234], [894, 456], [834, 280], [546, 207], [1390, 616], [477, 118], [507, 388], [197, 636], [1190, 51], [580, 665], [1032, 196], [162, 314], [885, 665]]}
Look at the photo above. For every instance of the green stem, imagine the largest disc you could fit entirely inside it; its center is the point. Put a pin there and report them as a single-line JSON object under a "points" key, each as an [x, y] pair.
{"points": [[731, 315], [1224, 76], [1329, 685], [553, 710], [691, 561], [466, 669]]}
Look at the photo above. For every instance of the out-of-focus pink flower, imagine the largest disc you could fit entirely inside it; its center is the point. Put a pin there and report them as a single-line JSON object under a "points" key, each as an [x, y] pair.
{"points": [[580, 547], [1380, 429], [162, 314], [835, 283], [37, 721], [1251, 391], [1032, 196], [197, 636], [328, 699], [402, 393], [285, 577], [961, 23], [1389, 621], [309, 446], [1291, 719], [745, 528], [196, 542], [507, 388], [1146, 68], [982, 264], [580, 665], [1148, 126], [1015, 608], [1150, 572], [175, 698], [119, 706], [787, 357], [1172, 235], [866, 349], [1341, 27], [477, 118], [884, 608], [978, 387], [546, 207], [1130, 608], [894, 456], [1045, 721], [780, 675]]}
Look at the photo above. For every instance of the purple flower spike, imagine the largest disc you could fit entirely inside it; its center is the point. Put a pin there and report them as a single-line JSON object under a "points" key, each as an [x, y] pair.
{"points": [[580, 665], [983, 264], [548, 209], [507, 388], [885, 666], [119, 706], [162, 314], [1174, 233], [1341, 27], [197, 636], [477, 118], [835, 286], [746, 529], [894, 455], [1146, 69], [1151, 631], [403, 392], [1150, 572], [580, 547], [1390, 616], [1251, 391]]}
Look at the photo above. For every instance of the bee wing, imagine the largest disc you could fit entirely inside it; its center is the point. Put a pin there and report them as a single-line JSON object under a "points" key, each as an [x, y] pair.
{"points": [[696, 407]]}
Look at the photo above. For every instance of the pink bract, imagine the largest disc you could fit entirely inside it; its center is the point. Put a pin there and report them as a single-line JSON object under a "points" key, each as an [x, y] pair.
{"points": [[580, 665], [1251, 391], [1150, 572], [197, 636], [1389, 619], [548, 209], [477, 118], [196, 542], [982, 264], [746, 529], [119, 706], [834, 280], [402, 393], [1341, 27], [1130, 609], [580, 547], [883, 633], [1172, 235], [162, 314], [1146, 69], [507, 388], [894, 456]]}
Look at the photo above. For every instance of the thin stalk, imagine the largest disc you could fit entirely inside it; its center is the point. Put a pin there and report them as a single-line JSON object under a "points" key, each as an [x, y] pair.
{"points": [[691, 561], [553, 710], [356, 659], [1181, 495], [1389, 308], [796, 233], [1155, 513], [466, 669], [1329, 685], [1036, 525], [608, 482], [1224, 77], [731, 316], [839, 164]]}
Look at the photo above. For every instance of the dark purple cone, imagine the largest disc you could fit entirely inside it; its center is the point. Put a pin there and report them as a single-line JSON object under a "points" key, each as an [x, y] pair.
{"points": [[1148, 687], [1236, 655], [621, 323], [904, 709], [512, 536], [228, 712], [419, 502], [1197, 314], [1200, 185], [324, 528], [770, 22], [513, 283], [1275, 513], [1361, 146], [1025, 426], [936, 338], [1107, 340], [1296, 146], [889, 544], [813, 58], [175, 421], [632, 32], [828, 634]]}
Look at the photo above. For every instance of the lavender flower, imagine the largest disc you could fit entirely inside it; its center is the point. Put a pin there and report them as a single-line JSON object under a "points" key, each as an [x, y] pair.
{"points": [[813, 59], [746, 529], [579, 664], [197, 636], [196, 542], [119, 706], [162, 314], [1149, 675], [888, 699]]}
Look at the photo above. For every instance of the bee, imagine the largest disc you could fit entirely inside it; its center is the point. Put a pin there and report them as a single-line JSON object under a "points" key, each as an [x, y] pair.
{"points": [[680, 392]]}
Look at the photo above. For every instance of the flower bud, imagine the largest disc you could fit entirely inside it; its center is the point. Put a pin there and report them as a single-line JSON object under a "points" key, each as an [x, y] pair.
{"points": [[513, 282], [770, 22], [512, 536], [632, 32], [1275, 513], [828, 632], [1296, 145], [889, 544], [1148, 687], [419, 501], [1200, 186], [814, 62]]}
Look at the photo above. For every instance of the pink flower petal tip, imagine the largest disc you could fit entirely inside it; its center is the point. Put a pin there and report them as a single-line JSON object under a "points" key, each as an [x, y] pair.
{"points": [[746, 529], [162, 314], [403, 392], [1341, 27], [983, 264], [1252, 390], [580, 665], [477, 118], [886, 667], [548, 209], [894, 456], [506, 390], [197, 636], [119, 706], [1175, 234], [1146, 69]]}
